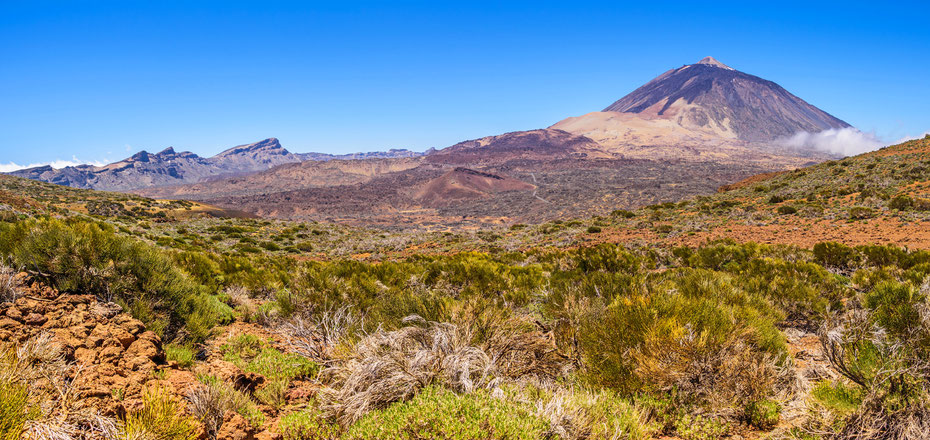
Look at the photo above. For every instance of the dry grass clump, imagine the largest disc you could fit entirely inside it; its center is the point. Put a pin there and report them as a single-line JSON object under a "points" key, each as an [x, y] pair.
{"points": [[10, 284], [39, 395], [517, 348], [208, 404], [317, 336], [242, 302], [391, 366], [877, 420]]}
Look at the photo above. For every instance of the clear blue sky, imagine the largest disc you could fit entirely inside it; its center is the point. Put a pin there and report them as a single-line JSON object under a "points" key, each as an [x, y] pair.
{"points": [[97, 80]]}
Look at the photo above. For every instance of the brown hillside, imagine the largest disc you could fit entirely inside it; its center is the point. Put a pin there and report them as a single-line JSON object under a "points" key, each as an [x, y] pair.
{"points": [[464, 183]]}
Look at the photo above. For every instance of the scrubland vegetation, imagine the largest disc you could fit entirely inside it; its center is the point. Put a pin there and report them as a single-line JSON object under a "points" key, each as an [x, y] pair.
{"points": [[597, 342], [530, 334]]}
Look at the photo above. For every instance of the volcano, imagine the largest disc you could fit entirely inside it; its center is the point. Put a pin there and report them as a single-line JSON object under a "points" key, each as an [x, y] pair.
{"points": [[708, 106]]}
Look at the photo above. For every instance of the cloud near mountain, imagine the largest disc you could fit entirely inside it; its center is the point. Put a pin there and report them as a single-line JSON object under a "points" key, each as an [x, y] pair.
{"points": [[846, 141], [57, 164]]}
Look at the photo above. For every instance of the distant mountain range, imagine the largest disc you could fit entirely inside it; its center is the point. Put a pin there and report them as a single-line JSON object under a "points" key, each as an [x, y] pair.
{"points": [[168, 167], [686, 132]]}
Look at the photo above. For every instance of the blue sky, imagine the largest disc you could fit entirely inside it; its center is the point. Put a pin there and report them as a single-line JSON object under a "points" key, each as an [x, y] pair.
{"points": [[97, 80]]}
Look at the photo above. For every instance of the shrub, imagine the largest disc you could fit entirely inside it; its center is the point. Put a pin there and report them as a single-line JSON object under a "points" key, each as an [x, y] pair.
{"points": [[901, 309], [837, 399], [763, 414], [776, 199], [801, 289], [787, 210], [835, 255], [160, 418], [901, 202], [208, 404], [393, 366], [182, 354], [78, 256], [307, 425], [215, 397], [581, 414], [861, 213], [15, 409], [888, 366], [440, 414], [698, 427], [252, 355], [594, 229], [687, 330], [622, 213]]}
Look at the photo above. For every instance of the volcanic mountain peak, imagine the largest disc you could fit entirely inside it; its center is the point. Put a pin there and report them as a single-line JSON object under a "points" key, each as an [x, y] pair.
{"points": [[267, 146], [712, 98], [711, 61]]}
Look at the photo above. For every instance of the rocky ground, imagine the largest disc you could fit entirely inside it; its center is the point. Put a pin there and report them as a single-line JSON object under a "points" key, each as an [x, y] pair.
{"points": [[114, 359]]}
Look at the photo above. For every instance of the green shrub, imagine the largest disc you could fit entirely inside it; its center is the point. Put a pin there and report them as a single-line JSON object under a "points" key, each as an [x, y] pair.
{"points": [[835, 255], [606, 413], [901, 202], [594, 229], [243, 347], [622, 213], [897, 308], [655, 337], [801, 289], [268, 361], [776, 199], [436, 413], [160, 418], [180, 353], [79, 256], [698, 427], [307, 425], [15, 409], [861, 213], [839, 399], [252, 355], [763, 414], [787, 210]]}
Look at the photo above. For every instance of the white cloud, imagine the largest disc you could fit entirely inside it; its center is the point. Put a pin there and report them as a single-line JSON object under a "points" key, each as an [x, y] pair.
{"points": [[910, 138], [60, 163], [845, 141]]}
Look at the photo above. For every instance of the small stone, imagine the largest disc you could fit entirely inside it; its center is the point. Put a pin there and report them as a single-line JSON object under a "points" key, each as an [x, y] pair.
{"points": [[35, 319], [14, 314]]}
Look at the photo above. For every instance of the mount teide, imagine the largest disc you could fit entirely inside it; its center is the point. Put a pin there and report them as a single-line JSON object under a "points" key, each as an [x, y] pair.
{"points": [[703, 111]]}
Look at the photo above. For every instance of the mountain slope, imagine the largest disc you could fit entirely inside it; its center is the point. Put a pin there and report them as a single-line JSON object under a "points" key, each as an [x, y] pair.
{"points": [[711, 94], [545, 144], [706, 111], [464, 183]]}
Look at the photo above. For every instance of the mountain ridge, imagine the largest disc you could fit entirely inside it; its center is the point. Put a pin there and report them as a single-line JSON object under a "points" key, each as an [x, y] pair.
{"points": [[169, 167]]}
